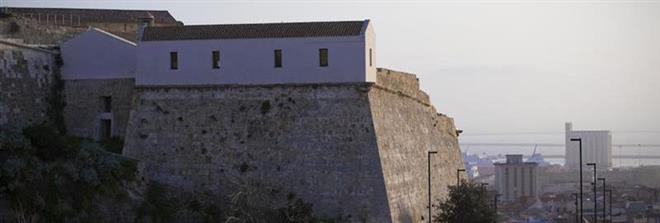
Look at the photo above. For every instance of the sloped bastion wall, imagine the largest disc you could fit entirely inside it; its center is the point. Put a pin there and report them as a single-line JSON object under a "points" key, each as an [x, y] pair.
{"points": [[355, 151]]}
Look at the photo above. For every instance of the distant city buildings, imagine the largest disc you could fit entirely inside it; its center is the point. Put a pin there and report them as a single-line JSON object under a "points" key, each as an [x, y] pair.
{"points": [[515, 178], [596, 148]]}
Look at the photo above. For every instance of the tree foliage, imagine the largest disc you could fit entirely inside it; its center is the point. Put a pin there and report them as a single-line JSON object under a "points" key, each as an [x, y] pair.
{"points": [[467, 203], [47, 177]]}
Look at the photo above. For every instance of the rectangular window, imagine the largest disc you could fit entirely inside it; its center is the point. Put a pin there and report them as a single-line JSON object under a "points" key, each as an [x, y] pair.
{"points": [[174, 61], [370, 60], [216, 59], [323, 57], [278, 58], [106, 129], [106, 103]]}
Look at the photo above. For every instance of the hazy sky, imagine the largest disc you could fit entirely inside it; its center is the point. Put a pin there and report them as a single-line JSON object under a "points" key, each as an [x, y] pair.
{"points": [[495, 66]]}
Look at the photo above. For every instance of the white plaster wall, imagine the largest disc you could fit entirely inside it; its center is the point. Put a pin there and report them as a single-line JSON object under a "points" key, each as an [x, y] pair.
{"points": [[251, 61], [370, 43], [96, 54]]}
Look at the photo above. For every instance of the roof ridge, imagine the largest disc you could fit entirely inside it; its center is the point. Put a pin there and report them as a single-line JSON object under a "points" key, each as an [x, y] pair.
{"points": [[58, 8], [265, 23], [256, 30], [114, 36]]}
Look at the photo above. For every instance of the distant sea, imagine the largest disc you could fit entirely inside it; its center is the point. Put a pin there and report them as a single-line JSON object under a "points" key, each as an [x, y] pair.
{"points": [[530, 139]]}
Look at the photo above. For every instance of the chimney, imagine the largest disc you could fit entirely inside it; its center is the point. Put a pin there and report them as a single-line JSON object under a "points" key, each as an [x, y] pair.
{"points": [[143, 23]]}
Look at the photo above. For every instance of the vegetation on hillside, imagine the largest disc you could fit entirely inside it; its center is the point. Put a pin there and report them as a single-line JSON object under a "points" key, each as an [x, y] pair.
{"points": [[467, 203], [49, 177]]}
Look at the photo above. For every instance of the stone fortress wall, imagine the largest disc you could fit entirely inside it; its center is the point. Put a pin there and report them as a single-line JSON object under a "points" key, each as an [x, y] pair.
{"points": [[356, 151], [407, 127], [26, 74], [84, 110]]}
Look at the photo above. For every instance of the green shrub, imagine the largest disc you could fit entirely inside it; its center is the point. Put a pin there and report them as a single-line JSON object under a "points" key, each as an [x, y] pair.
{"points": [[63, 178], [48, 142], [157, 205], [114, 144]]}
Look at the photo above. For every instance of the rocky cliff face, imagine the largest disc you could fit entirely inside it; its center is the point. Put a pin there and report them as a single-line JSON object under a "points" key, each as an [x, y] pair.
{"points": [[357, 152]]}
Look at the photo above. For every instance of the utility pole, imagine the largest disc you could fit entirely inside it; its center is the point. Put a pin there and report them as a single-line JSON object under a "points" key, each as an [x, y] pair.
{"points": [[580, 165], [429, 172]]}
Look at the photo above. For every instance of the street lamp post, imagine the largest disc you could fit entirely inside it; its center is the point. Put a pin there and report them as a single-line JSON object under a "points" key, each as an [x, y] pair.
{"points": [[429, 172], [580, 165], [576, 207], [496, 196], [604, 204], [458, 176], [595, 201], [611, 190]]}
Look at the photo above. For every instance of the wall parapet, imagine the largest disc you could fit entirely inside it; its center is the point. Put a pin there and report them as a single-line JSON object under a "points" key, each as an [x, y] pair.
{"points": [[29, 47], [404, 83]]}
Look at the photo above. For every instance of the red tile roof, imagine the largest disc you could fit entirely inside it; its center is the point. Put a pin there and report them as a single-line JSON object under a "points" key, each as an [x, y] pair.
{"points": [[252, 31]]}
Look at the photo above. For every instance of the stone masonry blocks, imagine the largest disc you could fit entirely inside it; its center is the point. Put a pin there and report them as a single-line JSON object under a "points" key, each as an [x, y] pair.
{"points": [[355, 151]]}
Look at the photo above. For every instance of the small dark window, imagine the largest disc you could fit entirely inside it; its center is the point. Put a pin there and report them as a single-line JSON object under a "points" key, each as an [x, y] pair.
{"points": [[370, 58], [106, 103], [278, 58], [216, 59], [106, 129], [323, 57], [174, 61]]}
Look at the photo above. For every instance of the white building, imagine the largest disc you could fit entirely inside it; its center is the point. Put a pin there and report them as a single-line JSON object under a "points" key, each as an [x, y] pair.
{"points": [[97, 54], [596, 148], [271, 53], [516, 178]]}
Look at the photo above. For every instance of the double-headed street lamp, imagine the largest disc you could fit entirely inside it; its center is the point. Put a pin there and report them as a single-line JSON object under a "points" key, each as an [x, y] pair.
{"points": [[429, 172], [594, 183], [580, 165], [604, 204]]}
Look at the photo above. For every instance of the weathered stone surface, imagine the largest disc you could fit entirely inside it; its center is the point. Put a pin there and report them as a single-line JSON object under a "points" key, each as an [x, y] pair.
{"points": [[29, 32], [25, 77], [402, 83], [356, 151], [83, 112], [406, 130]]}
